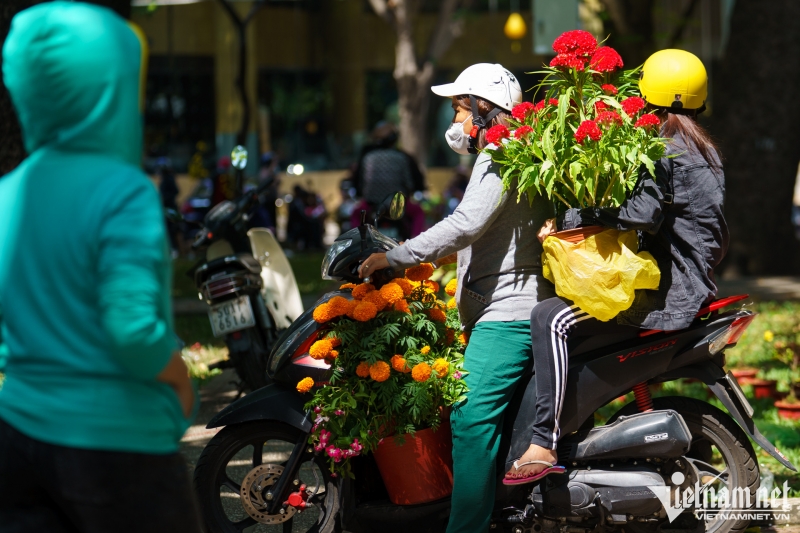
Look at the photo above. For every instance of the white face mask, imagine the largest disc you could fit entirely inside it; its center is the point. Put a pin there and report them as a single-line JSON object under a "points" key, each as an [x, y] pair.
{"points": [[456, 138]]}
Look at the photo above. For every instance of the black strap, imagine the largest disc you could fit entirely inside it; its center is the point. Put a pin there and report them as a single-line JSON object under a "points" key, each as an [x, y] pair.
{"points": [[479, 123]]}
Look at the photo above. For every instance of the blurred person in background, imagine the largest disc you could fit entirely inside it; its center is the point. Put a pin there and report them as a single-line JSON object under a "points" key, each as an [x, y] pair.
{"points": [[96, 395], [168, 188], [454, 192], [382, 170]]}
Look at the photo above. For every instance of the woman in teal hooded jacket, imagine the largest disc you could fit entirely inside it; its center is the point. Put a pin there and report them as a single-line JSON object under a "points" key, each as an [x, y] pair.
{"points": [[95, 397]]}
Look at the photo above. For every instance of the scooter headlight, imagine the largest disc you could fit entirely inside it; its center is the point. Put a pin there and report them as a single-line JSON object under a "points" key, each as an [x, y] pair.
{"points": [[334, 251]]}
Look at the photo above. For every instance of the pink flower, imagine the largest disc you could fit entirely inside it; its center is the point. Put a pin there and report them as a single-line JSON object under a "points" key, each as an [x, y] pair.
{"points": [[318, 409], [457, 375], [338, 412], [577, 42], [522, 131], [632, 105], [496, 133], [588, 128], [609, 89], [520, 111], [605, 59], [647, 120], [324, 435]]}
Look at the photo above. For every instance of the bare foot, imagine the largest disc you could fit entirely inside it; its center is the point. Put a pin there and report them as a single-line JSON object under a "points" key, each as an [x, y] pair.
{"points": [[534, 453]]}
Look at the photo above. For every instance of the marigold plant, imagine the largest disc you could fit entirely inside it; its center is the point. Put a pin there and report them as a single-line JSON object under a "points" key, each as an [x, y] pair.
{"points": [[585, 141], [394, 367]]}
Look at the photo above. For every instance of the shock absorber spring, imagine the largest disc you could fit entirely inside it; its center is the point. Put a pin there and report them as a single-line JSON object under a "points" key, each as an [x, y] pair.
{"points": [[644, 402]]}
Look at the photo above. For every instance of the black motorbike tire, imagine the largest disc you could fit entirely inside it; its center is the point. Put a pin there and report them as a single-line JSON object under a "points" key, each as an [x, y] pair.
{"points": [[706, 421], [219, 451]]}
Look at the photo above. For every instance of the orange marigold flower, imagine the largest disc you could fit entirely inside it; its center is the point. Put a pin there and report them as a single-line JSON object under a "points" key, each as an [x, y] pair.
{"points": [[347, 286], [374, 297], [399, 364], [323, 313], [402, 306], [420, 272], [404, 284], [362, 370], [431, 286], [463, 339], [392, 292], [333, 354], [359, 291], [441, 367], [451, 304], [352, 304], [437, 315], [421, 372], [379, 371], [338, 305], [425, 350], [305, 385], [365, 311], [335, 341], [451, 287], [449, 336], [321, 349]]}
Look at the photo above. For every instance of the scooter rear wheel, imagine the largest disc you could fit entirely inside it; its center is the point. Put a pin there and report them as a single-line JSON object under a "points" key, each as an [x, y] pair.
{"points": [[240, 454], [719, 448]]}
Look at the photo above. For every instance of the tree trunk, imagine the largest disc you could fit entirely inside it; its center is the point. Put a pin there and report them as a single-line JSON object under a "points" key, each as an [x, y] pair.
{"points": [[755, 120]]}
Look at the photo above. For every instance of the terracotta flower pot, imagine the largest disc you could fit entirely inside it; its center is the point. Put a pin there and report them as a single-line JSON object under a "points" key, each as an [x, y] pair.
{"points": [[744, 375], [578, 234], [421, 469], [764, 388], [788, 410]]}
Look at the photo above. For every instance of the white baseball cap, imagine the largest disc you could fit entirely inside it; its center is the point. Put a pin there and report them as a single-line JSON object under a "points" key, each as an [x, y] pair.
{"points": [[490, 81]]}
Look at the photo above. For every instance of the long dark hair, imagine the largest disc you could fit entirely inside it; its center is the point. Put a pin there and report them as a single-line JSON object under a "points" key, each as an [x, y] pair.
{"points": [[696, 137], [484, 107]]}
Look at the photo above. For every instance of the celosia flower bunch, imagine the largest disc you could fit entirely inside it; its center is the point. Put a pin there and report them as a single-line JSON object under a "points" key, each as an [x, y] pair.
{"points": [[586, 139], [396, 360]]}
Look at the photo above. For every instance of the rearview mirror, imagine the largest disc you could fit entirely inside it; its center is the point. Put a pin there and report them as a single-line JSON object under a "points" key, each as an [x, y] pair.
{"points": [[239, 157], [393, 207]]}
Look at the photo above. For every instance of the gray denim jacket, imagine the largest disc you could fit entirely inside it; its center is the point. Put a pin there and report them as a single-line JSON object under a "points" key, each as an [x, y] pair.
{"points": [[680, 218]]}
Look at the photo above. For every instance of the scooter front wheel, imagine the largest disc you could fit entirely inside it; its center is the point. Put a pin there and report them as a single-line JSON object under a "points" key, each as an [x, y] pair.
{"points": [[236, 469]]}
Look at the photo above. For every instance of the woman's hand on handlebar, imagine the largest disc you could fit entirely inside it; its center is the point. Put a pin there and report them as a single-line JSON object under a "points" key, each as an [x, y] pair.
{"points": [[547, 229], [371, 264]]}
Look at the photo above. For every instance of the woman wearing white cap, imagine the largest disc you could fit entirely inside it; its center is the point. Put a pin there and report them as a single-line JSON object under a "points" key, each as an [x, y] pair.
{"points": [[499, 282]]}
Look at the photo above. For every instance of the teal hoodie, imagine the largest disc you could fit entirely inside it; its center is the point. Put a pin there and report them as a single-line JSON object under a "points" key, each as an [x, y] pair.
{"points": [[84, 267]]}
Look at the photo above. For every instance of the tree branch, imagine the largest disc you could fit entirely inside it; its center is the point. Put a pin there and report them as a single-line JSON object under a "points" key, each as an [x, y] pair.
{"points": [[383, 10], [445, 31]]}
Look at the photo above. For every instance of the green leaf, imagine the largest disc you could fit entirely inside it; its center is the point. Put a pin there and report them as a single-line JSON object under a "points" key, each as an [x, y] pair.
{"points": [[648, 163]]}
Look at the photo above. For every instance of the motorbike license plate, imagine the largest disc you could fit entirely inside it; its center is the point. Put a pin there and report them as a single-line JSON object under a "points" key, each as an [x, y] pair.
{"points": [[231, 316]]}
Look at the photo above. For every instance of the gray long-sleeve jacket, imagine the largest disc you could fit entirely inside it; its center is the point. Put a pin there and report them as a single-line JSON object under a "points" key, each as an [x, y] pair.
{"points": [[499, 257]]}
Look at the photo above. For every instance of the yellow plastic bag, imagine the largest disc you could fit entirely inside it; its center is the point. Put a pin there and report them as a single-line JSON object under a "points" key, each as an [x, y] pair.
{"points": [[600, 273]]}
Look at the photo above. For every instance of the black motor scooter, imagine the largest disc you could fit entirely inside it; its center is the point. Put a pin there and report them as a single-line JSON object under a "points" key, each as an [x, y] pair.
{"points": [[246, 280], [260, 471]]}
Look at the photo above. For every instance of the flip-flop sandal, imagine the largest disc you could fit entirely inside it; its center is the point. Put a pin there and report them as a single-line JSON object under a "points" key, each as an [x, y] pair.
{"points": [[551, 469]]}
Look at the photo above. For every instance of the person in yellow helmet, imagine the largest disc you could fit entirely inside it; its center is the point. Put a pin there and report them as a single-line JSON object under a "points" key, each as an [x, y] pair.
{"points": [[679, 216]]}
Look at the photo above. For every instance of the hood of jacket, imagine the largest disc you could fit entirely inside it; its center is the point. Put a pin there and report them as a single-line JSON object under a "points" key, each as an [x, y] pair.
{"points": [[73, 73]]}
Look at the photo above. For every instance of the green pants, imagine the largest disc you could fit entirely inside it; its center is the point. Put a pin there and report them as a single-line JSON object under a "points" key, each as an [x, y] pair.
{"points": [[496, 357]]}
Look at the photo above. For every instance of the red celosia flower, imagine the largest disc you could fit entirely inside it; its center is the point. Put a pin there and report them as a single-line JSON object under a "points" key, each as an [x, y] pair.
{"points": [[496, 133], [520, 111], [647, 120], [522, 131], [568, 61], [633, 105], [575, 42], [554, 102], [609, 118], [600, 106], [605, 59], [588, 128], [609, 89]]}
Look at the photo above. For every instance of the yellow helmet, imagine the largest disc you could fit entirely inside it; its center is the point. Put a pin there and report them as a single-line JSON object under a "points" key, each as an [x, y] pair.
{"points": [[674, 78]]}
